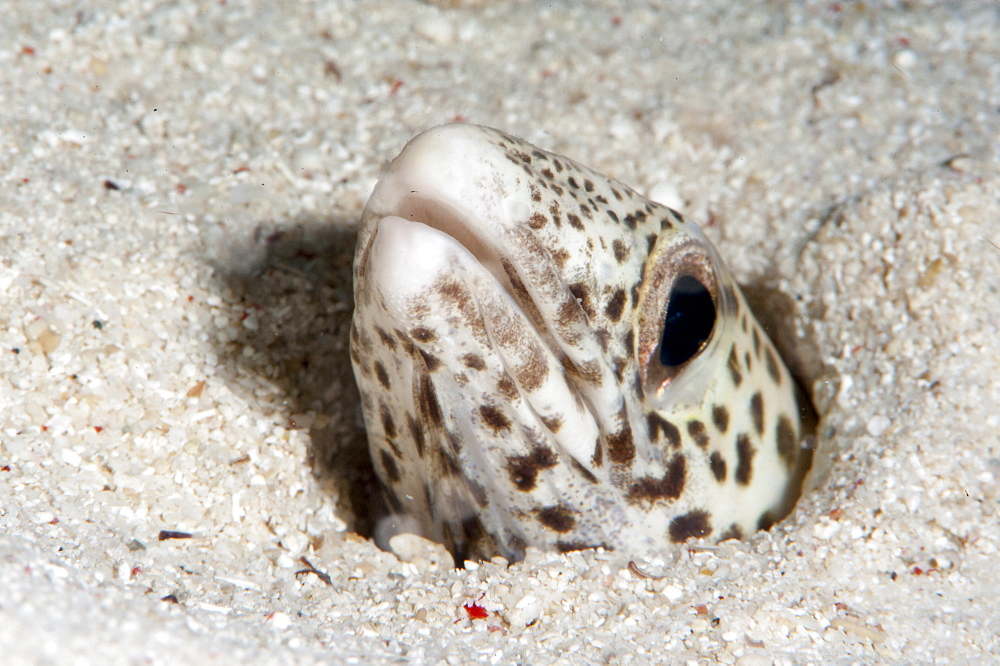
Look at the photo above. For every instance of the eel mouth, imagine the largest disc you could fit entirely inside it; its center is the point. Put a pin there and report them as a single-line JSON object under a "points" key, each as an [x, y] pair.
{"points": [[422, 216], [455, 181], [449, 220]]}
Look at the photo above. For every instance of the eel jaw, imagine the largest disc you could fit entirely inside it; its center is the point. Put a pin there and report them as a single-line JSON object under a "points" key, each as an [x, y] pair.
{"points": [[443, 180]]}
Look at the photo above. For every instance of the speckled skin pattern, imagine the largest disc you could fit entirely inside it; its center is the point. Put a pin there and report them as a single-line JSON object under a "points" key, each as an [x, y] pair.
{"points": [[506, 340]]}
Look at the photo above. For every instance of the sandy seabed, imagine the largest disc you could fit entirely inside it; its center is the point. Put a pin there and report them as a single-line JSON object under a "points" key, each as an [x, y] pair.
{"points": [[180, 183]]}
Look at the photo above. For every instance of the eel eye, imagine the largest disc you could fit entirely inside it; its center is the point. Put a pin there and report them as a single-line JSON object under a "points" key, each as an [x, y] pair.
{"points": [[689, 321]]}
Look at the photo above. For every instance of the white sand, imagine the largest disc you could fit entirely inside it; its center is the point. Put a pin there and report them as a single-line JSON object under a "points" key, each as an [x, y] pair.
{"points": [[180, 182]]}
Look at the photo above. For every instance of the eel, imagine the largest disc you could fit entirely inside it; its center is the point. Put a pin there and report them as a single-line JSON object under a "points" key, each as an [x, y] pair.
{"points": [[548, 359]]}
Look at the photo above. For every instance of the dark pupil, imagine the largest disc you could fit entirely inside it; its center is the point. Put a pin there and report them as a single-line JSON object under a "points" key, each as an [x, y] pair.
{"points": [[688, 322]]}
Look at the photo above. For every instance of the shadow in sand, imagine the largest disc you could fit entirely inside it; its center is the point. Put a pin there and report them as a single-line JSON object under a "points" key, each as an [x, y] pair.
{"points": [[776, 310], [295, 279]]}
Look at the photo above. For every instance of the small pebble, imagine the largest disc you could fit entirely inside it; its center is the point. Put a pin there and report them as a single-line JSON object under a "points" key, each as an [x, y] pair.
{"points": [[436, 29], [423, 553], [905, 59], [877, 425], [279, 620], [672, 593], [527, 610]]}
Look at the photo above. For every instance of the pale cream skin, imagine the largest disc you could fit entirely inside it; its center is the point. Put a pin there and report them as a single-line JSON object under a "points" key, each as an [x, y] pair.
{"points": [[509, 345]]}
